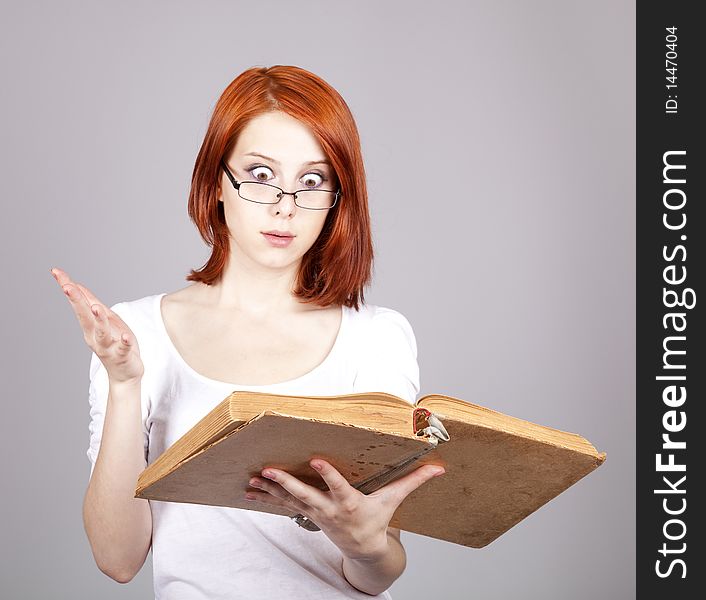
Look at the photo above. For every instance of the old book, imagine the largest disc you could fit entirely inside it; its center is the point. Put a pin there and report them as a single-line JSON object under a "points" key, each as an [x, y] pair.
{"points": [[499, 469]]}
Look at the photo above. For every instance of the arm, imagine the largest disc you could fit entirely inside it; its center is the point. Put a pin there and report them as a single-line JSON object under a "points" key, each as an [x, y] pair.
{"points": [[376, 574], [118, 525]]}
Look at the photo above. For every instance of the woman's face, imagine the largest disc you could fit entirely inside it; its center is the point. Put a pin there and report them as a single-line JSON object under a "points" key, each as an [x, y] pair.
{"points": [[278, 149]]}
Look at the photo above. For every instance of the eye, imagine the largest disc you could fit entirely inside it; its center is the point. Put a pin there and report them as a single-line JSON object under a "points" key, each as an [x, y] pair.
{"points": [[313, 180], [260, 173]]}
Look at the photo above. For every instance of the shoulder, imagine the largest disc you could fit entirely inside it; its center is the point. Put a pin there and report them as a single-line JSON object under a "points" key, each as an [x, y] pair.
{"points": [[382, 326], [386, 353], [146, 315], [139, 307], [379, 314], [140, 314]]}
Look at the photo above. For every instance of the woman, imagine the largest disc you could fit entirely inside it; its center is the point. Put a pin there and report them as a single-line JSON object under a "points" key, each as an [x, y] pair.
{"points": [[278, 193]]}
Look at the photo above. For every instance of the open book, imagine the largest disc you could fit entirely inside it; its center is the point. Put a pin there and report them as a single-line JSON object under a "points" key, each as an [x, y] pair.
{"points": [[499, 469]]}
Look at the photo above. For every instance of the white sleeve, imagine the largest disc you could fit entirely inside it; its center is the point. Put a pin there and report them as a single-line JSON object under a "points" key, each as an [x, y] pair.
{"points": [[98, 400], [388, 357]]}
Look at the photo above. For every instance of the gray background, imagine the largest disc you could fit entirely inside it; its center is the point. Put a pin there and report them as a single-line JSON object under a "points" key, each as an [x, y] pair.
{"points": [[499, 145]]}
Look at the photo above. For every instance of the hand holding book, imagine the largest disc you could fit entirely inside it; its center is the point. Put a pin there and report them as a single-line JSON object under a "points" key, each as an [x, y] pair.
{"points": [[355, 522]]}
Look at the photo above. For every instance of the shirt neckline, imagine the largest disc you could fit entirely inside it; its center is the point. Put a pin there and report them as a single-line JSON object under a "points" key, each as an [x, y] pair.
{"points": [[180, 359]]}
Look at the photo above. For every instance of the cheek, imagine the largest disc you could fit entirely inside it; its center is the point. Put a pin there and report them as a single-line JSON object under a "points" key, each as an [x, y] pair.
{"points": [[315, 227], [240, 216]]}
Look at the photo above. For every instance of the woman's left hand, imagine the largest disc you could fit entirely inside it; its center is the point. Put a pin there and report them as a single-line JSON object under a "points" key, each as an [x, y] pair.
{"points": [[355, 522]]}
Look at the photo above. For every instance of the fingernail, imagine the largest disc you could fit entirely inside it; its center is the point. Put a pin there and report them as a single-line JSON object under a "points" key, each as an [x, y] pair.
{"points": [[316, 466], [439, 472], [249, 497], [268, 474]]}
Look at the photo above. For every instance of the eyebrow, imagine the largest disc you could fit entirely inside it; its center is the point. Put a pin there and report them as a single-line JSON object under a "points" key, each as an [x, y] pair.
{"points": [[311, 162]]}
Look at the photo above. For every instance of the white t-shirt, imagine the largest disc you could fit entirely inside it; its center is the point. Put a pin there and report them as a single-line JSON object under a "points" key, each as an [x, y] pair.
{"points": [[208, 553]]}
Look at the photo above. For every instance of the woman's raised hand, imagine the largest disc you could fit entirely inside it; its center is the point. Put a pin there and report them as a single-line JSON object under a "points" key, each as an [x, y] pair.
{"points": [[104, 332]]}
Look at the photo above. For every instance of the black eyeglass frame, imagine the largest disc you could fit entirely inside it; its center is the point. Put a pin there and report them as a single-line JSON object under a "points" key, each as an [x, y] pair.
{"points": [[236, 185]]}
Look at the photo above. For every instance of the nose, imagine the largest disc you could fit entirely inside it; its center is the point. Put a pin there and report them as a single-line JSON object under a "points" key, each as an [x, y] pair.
{"points": [[286, 204]]}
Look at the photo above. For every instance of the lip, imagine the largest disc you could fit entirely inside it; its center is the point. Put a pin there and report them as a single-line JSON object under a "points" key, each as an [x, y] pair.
{"points": [[279, 233], [278, 241]]}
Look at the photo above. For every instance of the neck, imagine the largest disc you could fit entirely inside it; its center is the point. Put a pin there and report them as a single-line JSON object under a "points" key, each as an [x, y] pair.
{"points": [[254, 288]]}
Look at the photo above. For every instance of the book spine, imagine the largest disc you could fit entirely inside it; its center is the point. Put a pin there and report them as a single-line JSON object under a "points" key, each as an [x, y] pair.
{"points": [[427, 423]]}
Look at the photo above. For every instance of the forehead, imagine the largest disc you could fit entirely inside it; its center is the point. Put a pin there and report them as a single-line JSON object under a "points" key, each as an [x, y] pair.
{"points": [[280, 136]]}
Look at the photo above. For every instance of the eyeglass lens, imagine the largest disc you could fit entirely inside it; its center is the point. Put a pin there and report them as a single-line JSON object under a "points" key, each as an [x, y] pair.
{"points": [[267, 194]]}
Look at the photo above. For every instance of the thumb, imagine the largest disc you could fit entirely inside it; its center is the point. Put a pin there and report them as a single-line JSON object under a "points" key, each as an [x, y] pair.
{"points": [[398, 490]]}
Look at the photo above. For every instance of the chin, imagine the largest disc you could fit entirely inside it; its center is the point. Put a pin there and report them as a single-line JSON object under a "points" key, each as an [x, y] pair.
{"points": [[278, 262]]}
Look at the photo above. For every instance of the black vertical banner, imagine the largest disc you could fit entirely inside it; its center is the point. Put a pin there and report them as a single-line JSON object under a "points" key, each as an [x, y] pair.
{"points": [[670, 301]]}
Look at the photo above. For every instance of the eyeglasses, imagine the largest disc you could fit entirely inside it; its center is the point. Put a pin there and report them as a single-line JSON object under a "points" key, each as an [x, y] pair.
{"points": [[265, 193]]}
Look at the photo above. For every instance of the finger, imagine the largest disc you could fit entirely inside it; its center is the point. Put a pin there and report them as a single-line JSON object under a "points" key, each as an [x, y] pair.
{"points": [[101, 327], [336, 482], [90, 296], [81, 308], [60, 276], [274, 490], [112, 316], [271, 488], [127, 341], [102, 330], [67, 284], [85, 305], [307, 494], [70, 288], [265, 498], [398, 490]]}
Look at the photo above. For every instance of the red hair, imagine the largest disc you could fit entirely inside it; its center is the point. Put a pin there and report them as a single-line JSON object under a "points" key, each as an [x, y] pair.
{"points": [[338, 265]]}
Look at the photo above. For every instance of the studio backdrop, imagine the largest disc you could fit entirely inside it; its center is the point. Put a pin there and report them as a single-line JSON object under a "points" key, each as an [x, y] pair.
{"points": [[498, 139]]}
